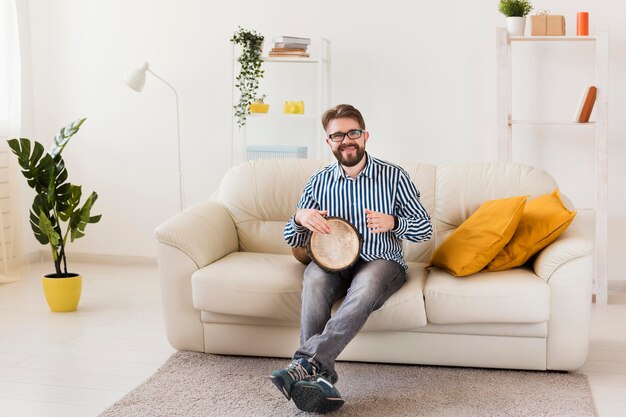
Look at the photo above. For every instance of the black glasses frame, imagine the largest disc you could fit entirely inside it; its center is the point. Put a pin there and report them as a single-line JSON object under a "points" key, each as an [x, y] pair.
{"points": [[352, 134]]}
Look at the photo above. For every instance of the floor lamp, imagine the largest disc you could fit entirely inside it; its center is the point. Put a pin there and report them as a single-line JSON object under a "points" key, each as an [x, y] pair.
{"points": [[136, 79]]}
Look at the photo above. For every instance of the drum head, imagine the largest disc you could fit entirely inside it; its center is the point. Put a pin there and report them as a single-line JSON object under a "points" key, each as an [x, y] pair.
{"points": [[337, 250]]}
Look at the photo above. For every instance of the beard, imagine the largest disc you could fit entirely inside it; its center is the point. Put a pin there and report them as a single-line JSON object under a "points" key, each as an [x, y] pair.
{"points": [[351, 160]]}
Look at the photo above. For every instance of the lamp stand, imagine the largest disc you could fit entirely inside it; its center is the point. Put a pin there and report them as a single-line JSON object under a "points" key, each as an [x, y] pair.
{"points": [[181, 198]]}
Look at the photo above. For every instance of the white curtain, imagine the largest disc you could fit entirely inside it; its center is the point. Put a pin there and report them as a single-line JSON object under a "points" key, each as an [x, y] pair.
{"points": [[11, 217]]}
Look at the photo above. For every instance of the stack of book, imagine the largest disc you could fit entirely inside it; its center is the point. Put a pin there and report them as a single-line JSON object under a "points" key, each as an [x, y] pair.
{"points": [[290, 47]]}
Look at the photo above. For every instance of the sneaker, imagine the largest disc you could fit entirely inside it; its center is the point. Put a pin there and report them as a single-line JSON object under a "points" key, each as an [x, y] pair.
{"points": [[298, 370], [316, 395]]}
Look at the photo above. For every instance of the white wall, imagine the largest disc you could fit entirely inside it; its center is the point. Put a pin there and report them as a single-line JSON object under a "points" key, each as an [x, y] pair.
{"points": [[422, 73]]}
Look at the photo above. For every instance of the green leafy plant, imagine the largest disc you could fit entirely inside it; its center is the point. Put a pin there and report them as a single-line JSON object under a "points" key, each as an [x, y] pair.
{"points": [[515, 8], [251, 70], [56, 201]]}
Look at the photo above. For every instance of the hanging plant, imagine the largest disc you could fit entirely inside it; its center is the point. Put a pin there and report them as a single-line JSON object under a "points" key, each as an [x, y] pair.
{"points": [[251, 72]]}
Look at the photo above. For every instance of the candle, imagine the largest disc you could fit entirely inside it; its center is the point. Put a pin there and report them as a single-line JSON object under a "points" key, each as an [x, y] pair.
{"points": [[582, 24]]}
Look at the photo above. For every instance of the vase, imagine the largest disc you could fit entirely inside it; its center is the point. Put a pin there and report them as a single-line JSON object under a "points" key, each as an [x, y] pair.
{"points": [[62, 294], [515, 25]]}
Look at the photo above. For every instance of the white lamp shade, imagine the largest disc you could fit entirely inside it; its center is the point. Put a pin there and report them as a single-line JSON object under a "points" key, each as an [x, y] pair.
{"points": [[136, 79]]}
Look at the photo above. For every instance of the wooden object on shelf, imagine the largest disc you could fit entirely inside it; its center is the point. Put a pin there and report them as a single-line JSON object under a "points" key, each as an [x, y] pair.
{"points": [[505, 133]]}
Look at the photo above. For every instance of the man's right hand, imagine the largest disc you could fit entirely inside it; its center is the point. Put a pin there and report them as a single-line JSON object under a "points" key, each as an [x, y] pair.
{"points": [[313, 220]]}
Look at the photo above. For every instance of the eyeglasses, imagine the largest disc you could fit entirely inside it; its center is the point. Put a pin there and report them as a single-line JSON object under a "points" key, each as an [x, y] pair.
{"points": [[340, 136]]}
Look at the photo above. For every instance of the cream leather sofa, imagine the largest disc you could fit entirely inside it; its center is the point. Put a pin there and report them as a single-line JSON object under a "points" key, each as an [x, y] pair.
{"points": [[231, 286]]}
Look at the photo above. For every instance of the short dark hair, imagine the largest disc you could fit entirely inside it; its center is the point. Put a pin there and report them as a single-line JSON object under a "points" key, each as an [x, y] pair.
{"points": [[343, 111]]}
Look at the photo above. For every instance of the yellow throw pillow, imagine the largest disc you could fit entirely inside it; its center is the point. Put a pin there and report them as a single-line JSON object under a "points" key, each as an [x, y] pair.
{"points": [[543, 220], [475, 242]]}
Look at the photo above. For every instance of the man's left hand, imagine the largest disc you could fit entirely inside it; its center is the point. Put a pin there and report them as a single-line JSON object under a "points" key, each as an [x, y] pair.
{"points": [[379, 222]]}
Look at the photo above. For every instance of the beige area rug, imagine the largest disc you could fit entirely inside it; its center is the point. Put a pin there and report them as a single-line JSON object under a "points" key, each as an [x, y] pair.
{"points": [[195, 384]]}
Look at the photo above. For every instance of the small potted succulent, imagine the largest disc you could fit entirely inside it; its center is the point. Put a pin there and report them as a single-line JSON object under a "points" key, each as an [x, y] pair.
{"points": [[56, 207], [515, 12]]}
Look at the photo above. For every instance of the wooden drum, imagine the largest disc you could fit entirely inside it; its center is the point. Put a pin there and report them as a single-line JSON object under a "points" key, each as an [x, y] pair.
{"points": [[337, 250]]}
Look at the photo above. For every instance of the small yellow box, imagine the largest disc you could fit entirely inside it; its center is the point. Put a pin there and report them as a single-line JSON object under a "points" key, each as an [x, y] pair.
{"points": [[294, 107], [259, 107]]}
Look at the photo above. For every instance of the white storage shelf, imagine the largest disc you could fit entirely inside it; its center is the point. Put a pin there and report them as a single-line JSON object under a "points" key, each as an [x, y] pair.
{"points": [[320, 82], [600, 136]]}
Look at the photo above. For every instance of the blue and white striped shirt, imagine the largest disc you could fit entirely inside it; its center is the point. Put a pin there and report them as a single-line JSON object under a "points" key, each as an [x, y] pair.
{"points": [[381, 187]]}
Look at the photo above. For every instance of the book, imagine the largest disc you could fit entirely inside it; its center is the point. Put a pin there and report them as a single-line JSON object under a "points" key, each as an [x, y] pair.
{"points": [[289, 50], [285, 55], [291, 39], [291, 45], [585, 104]]}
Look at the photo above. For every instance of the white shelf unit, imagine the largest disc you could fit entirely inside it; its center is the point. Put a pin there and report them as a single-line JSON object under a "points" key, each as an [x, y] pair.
{"points": [[322, 63], [506, 122]]}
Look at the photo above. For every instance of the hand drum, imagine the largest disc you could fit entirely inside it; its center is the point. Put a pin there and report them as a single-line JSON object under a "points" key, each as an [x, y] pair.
{"points": [[337, 250]]}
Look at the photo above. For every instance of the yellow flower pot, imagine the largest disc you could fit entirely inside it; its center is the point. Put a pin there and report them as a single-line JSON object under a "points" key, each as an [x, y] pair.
{"points": [[62, 294], [259, 107]]}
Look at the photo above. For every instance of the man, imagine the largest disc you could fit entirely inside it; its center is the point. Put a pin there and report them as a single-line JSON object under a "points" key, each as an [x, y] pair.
{"points": [[380, 200]]}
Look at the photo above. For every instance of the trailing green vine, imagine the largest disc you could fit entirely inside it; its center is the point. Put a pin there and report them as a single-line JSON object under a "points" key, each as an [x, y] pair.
{"points": [[251, 72]]}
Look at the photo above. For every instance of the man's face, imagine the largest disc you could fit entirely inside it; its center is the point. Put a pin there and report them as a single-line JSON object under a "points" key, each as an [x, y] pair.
{"points": [[348, 152]]}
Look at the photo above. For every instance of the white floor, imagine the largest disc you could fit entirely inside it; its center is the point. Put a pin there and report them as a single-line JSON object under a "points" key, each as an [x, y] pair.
{"points": [[78, 364]]}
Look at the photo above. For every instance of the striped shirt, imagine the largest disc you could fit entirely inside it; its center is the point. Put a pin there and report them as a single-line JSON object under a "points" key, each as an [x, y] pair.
{"points": [[381, 187]]}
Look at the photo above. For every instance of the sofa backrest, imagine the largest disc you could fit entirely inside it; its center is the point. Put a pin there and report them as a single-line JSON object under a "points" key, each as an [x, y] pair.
{"points": [[262, 195]]}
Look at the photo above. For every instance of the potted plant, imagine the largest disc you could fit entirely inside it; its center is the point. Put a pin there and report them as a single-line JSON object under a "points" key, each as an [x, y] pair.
{"points": [[250, 73], [55, 208], [515, 12], [259, 105]]}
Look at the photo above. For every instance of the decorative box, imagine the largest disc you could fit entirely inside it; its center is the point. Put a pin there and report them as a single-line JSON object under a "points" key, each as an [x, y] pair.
{"points": [[547, 25], [293, 107], [259, 107]]}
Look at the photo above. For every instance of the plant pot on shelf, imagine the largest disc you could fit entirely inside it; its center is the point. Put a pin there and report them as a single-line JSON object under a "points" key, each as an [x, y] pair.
{"points": [[259, 107], [515, 25], [62, 294]]}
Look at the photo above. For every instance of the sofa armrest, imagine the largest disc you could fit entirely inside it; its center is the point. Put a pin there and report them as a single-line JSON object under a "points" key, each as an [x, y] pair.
{"points": [[575, 242], [205, 232], [567, 266]]}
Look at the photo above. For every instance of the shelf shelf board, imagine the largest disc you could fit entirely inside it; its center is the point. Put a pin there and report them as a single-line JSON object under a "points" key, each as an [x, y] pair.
{"points": [[284, 116], [266, 58], [552, 38], [548, 122]]}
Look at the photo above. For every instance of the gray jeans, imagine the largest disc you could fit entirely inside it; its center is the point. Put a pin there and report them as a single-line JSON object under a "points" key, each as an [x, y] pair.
{"points": [[366, 286]]}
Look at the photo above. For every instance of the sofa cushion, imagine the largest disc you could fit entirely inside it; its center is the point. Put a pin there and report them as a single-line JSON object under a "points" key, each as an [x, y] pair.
{"points": [[405, 309], [543, 220], [250, 284], [479, 239], [514, 296], [268, 286]]}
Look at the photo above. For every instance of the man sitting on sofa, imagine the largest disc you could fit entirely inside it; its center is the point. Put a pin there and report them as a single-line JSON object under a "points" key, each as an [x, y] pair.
{"points": [[350, 189]]}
